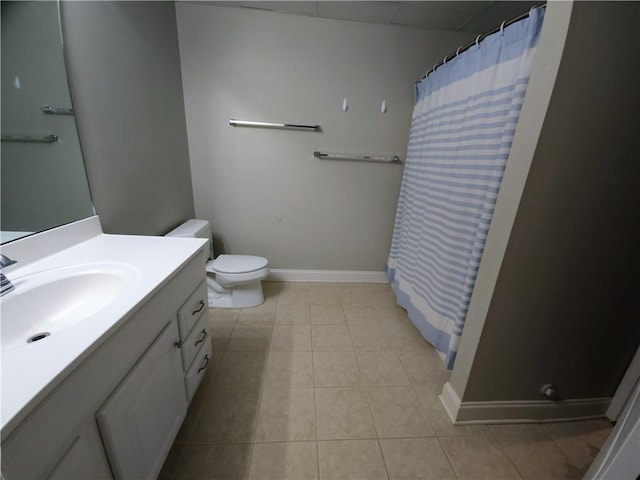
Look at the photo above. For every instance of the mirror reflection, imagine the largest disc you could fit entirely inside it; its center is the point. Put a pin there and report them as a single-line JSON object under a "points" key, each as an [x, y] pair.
{"points": [[43, 179]]}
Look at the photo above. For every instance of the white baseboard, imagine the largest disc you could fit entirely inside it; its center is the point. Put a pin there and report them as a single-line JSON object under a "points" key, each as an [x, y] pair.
{"points": [[354, 276], [528, 411], [450, 401]]}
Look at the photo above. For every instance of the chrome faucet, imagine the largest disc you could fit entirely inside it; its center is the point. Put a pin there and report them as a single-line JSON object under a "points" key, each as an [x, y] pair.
{"points": [[6, 261], [5, 284]]}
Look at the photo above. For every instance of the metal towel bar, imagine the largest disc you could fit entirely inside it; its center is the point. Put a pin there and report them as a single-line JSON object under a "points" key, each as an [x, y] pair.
{"points": [[358, 157], [52, 138], [49, 110], [289, 126]]}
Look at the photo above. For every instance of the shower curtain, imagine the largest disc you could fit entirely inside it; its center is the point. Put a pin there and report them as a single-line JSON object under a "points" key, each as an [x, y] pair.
{"points": [[462, 127]]}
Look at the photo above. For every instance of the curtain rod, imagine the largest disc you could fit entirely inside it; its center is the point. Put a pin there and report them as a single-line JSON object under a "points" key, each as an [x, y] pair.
{"points": [[478, 39]]}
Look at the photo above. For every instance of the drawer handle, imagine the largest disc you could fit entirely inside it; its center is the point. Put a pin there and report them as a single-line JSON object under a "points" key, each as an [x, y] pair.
{"points": [[201, 339], [204, 365], [199, 309]]}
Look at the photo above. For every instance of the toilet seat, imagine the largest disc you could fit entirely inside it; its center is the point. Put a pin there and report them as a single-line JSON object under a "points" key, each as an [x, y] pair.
{"points": [[238, 269], [235, 264]]}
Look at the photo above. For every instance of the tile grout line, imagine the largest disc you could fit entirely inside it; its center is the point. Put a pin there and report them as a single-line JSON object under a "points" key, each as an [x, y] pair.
{"points": [[455, 473], [260, 395], [423, 408], [315, 408], [373, 421], [255, 425], [506, 454], [314, 399], [562, 450], [395, 437]]}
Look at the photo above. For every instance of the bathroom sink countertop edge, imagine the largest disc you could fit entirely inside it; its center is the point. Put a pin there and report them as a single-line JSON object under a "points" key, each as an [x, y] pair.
{"points": [[31, 371]]}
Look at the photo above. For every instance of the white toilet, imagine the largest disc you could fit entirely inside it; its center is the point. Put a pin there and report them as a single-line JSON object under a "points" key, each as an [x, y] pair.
{"points": [[233, 280]]}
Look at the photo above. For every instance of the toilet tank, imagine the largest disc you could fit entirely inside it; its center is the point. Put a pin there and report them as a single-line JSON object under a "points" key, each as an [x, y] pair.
{"points": [[195, 228]]}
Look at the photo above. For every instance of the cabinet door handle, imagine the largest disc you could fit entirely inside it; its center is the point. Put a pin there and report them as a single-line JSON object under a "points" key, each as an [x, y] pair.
{"points": [[199, 309], [201, 339], [204, 365]]}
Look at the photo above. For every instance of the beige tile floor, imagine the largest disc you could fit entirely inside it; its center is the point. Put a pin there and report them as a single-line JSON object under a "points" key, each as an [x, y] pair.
{"points": [[332, 381]]}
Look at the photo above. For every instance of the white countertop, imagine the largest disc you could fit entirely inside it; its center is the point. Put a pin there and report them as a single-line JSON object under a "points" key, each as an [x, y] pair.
{"points": [[31, 371]]}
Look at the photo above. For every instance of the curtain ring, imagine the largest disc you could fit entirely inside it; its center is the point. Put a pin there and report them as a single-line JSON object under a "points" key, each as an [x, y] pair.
{"points": [[502, 27], [444, 60], [478, 39], [458, 51]]}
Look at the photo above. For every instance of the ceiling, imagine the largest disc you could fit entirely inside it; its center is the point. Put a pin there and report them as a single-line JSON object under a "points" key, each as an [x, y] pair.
{"points": [[464, 16]]}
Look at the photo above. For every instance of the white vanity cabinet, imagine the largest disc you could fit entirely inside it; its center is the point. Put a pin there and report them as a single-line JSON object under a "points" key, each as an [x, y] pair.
{"points": [[117, 413]]}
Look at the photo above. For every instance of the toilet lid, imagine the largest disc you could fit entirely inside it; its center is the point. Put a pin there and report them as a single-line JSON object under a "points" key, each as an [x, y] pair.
{"points": [[237, 263]]}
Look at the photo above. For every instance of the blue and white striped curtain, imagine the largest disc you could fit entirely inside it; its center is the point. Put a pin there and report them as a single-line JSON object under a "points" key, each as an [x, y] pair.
{"points": [[463, 124]]}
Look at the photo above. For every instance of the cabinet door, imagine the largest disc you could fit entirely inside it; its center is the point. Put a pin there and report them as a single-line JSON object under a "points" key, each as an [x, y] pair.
{"points": [[85, 458], [79, 457], [141, 419]]}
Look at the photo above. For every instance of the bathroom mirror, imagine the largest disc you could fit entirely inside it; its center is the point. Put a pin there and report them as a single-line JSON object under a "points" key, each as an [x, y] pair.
{"points": [[43, 178]]}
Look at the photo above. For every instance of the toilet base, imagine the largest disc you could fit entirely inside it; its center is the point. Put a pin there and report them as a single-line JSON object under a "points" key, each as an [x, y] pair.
{"points": [[239, 296]]}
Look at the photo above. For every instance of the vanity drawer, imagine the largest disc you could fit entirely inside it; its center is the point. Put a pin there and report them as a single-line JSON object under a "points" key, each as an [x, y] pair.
{"points": [[197, 338], [192, 310], [198, 370]]}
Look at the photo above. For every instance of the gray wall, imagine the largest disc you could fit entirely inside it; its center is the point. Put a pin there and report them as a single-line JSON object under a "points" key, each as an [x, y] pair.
{"points": [[262, 190], [566, 306], [124, 70]]}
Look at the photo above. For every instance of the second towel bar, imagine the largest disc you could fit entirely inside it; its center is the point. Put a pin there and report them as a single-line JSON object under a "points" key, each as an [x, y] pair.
{"points": [[358, 157]]}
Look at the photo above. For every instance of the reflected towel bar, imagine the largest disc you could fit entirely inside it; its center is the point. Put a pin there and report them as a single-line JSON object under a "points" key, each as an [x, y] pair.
{"points": [[358, 158], [289, 126], [52, 138], [49, 110]]}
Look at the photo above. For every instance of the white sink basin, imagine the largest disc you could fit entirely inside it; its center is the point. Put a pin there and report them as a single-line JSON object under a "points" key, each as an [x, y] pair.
{"points": [[48, 302]]}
